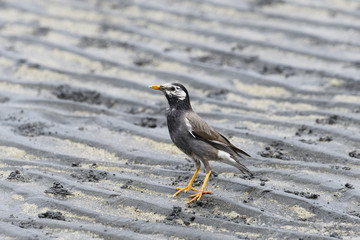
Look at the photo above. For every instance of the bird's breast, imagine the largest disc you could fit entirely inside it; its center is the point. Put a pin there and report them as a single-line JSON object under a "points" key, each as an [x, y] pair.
{"points": [[178, 132]]}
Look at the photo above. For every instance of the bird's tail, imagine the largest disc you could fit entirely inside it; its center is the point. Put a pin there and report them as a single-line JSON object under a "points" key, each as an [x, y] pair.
{"points": [[239, 152], [244, 169], [240, 166]]}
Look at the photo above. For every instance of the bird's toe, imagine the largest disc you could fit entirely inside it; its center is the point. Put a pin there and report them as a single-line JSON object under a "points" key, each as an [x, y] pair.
{"points": [[187, 188], [198, 195]]}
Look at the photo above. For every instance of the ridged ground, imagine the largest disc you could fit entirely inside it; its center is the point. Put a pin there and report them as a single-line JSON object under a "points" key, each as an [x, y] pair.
{"points": [[84, 139]]}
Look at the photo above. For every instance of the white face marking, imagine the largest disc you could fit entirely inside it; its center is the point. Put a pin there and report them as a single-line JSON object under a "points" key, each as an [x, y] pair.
{"points": [[173, 90], [180, 93]]}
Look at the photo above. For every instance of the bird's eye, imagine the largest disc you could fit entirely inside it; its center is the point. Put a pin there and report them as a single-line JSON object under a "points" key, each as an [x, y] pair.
{"points": [[172, 88]]}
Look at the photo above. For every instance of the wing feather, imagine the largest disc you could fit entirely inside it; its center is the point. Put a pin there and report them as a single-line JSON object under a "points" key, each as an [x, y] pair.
{"points": [[200, 129]]}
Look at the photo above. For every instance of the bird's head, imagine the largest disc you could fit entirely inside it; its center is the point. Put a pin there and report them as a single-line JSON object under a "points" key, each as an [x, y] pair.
{"points": [[176, 94]]}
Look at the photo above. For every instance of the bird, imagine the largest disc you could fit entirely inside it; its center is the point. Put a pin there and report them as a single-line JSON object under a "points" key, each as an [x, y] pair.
{"points": [[196, 138]]}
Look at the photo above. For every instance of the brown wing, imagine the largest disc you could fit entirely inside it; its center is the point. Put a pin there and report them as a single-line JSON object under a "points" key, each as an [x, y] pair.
{"points": [[199, 128]]}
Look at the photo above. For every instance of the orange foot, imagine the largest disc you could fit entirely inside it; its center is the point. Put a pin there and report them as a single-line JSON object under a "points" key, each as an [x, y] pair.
{"points": [[187, 188], [198, 195]]}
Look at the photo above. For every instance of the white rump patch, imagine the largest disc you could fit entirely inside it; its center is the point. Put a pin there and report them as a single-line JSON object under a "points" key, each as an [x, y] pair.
{"points": [[226, 157]]}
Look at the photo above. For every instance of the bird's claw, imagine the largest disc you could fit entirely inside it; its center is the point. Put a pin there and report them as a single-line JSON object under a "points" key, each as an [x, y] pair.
{"points": [[198, 195], [187, 188]]}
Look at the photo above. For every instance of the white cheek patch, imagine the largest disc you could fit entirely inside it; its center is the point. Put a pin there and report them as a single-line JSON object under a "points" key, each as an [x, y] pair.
{"points": [[180, 94]]}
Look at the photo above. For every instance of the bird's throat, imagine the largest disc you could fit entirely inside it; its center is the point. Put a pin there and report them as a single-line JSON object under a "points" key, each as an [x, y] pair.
{"points": [[176, 104]]}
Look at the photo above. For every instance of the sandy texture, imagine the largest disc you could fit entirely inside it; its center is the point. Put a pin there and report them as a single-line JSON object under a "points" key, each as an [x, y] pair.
{"points": [[84, 148]]}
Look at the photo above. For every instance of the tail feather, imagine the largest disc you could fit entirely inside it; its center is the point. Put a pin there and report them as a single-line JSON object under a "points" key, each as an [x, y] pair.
{"points": [[243, 169], [232, 159]]}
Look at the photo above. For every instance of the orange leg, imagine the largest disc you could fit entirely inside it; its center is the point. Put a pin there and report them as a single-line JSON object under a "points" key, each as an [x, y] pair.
{"points": [[189, 186], [198, 195]]}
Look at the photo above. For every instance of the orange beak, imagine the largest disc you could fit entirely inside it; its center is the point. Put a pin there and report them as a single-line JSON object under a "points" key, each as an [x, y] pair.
{"points": [[156, 87]]}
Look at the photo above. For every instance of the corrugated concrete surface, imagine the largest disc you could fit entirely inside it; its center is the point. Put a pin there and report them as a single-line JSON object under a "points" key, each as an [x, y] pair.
{"points": [[84, 148]]}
